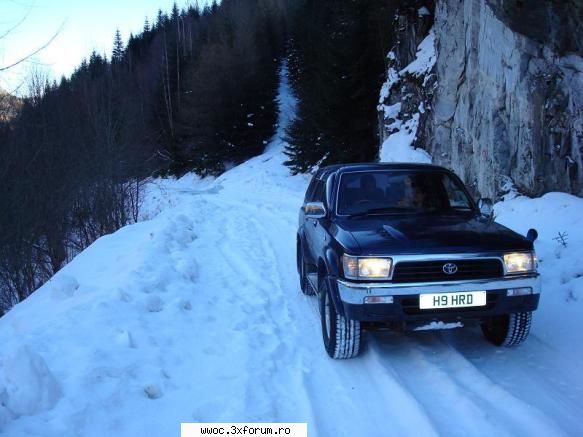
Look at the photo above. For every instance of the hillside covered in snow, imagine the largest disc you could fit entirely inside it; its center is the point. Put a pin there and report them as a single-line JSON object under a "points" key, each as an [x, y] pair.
{"points": [[195, 314]]}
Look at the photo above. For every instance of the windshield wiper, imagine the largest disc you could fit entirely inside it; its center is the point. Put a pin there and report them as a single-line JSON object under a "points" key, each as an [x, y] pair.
{"points": [[385, 210]]}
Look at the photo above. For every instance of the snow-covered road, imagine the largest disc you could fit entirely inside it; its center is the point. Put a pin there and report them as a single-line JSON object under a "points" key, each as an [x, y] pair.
{"points": [[432, 383], [195, 315]]}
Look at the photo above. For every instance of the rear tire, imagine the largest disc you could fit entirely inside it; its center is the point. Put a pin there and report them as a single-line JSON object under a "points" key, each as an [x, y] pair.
{"points": [[508, 330], [341, 336], [305, 285]]}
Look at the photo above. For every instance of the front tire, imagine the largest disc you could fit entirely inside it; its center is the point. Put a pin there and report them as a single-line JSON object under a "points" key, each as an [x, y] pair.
{"points": [[508, 330], [341, 336]]}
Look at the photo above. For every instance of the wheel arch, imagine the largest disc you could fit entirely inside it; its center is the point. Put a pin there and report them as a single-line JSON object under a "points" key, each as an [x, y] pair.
{"points": [[329, 269]]}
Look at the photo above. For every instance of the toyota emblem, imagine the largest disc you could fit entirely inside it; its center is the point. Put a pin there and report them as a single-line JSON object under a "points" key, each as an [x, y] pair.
{"points": [[449, 268]]}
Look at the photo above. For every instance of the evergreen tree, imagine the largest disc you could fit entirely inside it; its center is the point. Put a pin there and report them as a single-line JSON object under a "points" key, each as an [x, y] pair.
{"points": [[337, 66], [194, 10], [175, 14], [161, 19], [118, 48], [146, 26]]}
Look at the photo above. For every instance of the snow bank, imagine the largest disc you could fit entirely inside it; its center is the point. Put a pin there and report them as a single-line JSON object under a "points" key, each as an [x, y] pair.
{"points": [[559, 320], [161, 322]]}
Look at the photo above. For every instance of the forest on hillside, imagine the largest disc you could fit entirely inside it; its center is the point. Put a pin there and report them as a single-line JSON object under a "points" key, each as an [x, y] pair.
{"points": [[194, 91]]}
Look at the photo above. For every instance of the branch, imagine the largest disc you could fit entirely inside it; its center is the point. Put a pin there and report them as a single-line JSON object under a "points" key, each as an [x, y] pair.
{"points": [[44, 46], [17, 25]]}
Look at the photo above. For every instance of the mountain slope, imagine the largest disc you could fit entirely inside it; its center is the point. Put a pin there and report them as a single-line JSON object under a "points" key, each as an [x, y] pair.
{"points": [[195, 314]]}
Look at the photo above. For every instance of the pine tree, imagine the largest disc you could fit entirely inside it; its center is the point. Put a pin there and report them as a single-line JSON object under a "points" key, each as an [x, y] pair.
{"points": [[96, 66], [175, 12], [194, 10], [161, 19], [337, 65], [118, 48], [146, 25]]}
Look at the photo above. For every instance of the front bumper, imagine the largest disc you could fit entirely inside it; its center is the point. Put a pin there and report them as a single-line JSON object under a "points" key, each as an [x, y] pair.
{"points": [[405, 306]]}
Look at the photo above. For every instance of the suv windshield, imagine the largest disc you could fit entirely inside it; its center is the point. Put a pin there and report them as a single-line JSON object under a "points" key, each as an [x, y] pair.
{"points": [[397, 191]]}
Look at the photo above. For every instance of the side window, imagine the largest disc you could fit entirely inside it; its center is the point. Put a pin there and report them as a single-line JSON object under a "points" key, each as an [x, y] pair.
{"points": [[329, 186], [310, 190], [319, 192]]}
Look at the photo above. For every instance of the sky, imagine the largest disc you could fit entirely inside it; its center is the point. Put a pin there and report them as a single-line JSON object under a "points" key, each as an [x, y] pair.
{"points": [[84, 26]]}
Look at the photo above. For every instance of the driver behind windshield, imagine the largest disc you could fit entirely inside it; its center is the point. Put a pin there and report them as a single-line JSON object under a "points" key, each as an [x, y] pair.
{"points": [[414, 195], [394, 191]]}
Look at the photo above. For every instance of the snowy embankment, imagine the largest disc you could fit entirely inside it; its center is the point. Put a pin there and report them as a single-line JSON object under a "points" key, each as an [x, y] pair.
{"points": [[195, 314], [558, 218]]}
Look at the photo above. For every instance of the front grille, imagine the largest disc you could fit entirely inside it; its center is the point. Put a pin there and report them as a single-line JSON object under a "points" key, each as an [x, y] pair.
{"points": [[432, 271]]}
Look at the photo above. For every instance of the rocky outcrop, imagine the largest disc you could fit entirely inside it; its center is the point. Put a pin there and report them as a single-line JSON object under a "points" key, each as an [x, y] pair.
{"points": [[507, 104], [405, 98], [9, 106]]}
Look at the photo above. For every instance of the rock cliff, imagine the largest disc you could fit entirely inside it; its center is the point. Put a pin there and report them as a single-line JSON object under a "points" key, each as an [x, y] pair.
{"points": [[502, 104]]}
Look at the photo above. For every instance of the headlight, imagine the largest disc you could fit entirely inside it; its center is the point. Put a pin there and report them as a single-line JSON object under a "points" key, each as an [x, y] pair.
{"points": [[520, 262], [366, 268]]}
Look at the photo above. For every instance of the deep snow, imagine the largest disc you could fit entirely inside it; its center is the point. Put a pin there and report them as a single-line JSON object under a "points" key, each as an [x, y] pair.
{"points": [[195, 314]]}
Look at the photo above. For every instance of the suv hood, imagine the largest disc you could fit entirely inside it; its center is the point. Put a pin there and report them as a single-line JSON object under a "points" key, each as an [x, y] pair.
{"points": [[427, 234]]}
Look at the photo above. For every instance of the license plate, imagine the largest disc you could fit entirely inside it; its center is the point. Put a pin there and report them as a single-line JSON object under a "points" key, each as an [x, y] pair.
{"points": [[452, 300]]}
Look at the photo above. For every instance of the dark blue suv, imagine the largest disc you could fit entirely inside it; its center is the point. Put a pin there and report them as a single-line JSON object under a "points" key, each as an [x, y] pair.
{"points": [[405, 246]]}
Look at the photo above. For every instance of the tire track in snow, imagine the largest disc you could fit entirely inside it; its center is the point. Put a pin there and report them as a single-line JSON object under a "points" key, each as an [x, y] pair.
{"points": [[528, 375], [262, 334], [385, 387], [248, 252], [284, 269], [435, 371]]}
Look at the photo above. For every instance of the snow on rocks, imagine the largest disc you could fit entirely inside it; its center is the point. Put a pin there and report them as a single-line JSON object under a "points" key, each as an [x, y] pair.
{"points": [[425, 59], [402, 104], [397, 147]]}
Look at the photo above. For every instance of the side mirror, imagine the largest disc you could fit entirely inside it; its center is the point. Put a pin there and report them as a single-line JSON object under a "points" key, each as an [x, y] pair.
{"points": [[532, 235], [486, 207], [315, 210]]}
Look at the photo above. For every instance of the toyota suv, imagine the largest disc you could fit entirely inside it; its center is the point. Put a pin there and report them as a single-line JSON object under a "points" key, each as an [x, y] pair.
{"points": [[404, 246]]}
